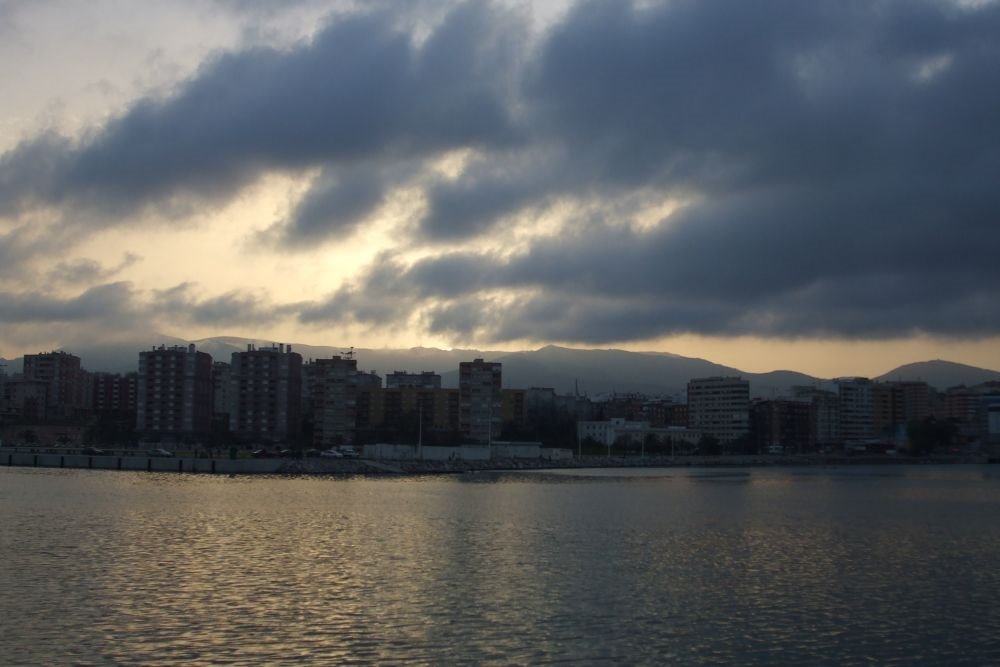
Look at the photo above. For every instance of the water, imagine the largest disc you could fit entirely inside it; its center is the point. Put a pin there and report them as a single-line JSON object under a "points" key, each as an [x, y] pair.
{"points": [[891, 565]]}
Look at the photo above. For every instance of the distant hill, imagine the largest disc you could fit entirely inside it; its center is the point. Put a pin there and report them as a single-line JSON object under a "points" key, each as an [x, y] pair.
{"points": [[593, 372], [941, 374], [605, 371]]}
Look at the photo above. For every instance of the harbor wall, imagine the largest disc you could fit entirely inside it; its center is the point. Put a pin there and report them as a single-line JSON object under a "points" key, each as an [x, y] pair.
{"points": [[145, 463]]}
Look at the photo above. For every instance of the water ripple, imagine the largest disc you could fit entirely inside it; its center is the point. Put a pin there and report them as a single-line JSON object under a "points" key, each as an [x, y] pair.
{"points": [[783, 567]]}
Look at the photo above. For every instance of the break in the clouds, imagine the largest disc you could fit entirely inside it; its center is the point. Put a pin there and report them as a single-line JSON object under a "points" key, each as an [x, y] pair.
{"points": [[833, 167]]}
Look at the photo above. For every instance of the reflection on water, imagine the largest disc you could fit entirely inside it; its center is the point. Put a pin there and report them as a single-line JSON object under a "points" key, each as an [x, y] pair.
{"points": [[687, 566]]}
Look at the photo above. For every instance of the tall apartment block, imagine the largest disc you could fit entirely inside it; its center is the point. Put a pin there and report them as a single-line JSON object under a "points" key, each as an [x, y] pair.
{"points": [[720, 407], [333, 390], [265, 389], [480, 403], [174, 391], [65, 379], [856, 408]]}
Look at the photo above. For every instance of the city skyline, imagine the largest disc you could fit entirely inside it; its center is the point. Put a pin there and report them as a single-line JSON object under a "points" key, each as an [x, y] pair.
{"points": [[767, 186]]}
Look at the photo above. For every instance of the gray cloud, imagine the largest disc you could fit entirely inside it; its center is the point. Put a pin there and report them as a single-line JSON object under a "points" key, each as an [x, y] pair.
{"points": [[487, 191], [83, 270], [361, 89], [842, 155], [339, 201], [840, 160], [119, 306], [182, 303], [17, 248], [742, 265], [111, 302]]}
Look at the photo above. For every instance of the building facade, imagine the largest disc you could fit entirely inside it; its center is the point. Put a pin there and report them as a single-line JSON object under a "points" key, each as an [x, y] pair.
{"points": [[421, 380], [222, 399], [265, 389], [824, 414], [856, 409], [480, 402], [64, 377], [114, 392], [25, 399], [174, 391], [719, 407], [781, 425], [333, 395]]}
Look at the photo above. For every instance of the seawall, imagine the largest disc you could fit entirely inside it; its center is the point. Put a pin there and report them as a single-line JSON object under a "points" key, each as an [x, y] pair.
{"points": [[146, 463]]}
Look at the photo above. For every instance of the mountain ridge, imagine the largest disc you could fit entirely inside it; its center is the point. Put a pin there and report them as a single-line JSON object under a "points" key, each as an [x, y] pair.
{"points": [[591, 371]]}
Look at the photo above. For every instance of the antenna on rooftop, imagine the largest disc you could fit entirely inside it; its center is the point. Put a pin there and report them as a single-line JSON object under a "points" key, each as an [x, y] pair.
{"points": [[349, 354]]}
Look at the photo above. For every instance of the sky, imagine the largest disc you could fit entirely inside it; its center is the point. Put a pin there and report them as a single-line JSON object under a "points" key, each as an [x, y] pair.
{"points": [[775, 184]]}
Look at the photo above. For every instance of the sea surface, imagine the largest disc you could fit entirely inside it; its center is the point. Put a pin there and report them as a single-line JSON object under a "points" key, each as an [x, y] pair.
{"points": [[884, 565]]}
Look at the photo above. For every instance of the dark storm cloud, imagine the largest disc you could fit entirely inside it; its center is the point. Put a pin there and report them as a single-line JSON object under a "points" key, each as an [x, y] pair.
{"points": [[487, 191], [842, 158], [839, 161], [361, 89], [338, 201], [742, 265]]}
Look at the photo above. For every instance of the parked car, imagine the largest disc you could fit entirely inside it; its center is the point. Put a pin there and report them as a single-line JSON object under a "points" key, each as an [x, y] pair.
{"points": [[350, 452], [332, 454], [313, 453], [92, 451], [261, 454]]}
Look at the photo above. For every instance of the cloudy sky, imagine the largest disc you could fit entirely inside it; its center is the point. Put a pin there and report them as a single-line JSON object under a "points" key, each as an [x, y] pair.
{"points": [[813, 185]]}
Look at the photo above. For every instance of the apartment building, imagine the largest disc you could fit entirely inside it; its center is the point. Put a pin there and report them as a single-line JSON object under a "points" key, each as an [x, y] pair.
{"points": [[174, 391], [64, 378], [719, 407], [265, 394], [480, 402]]}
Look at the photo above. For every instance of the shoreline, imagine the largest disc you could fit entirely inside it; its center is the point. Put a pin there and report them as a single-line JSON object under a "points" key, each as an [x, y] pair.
{"points": [[322, 467], [381, 468]]}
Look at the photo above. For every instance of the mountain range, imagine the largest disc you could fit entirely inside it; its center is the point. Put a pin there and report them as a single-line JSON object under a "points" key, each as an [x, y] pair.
{"points": [[590, 372]]}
